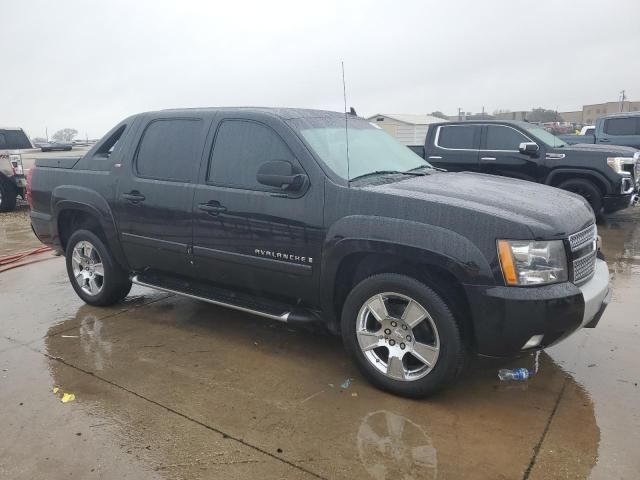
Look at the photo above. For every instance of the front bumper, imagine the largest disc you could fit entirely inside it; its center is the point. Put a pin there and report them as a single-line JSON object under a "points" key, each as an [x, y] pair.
{"points": [[506, 318], [613, 203]]}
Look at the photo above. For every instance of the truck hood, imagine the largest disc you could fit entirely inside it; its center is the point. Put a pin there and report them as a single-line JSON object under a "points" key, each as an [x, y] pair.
{"points": [[610, 150], [548, 212]]}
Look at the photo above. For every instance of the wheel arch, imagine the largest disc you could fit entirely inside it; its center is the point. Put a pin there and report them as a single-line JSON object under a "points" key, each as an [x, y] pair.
{"points": [[441, 258], [80, 207], [556, 177]]}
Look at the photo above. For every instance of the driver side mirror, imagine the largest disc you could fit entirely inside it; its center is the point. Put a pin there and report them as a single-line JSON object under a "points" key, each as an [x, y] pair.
{"points": [[280, 174], [529, 148]]}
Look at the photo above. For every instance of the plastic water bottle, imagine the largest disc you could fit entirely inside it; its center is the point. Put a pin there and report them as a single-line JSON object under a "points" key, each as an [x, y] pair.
{"points": [[517, 375]]}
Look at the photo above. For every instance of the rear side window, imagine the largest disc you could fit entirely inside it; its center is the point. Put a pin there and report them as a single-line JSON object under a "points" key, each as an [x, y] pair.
{"points": [[240, 148], [458, 137], [170, 149], [622, 126], [14, 140], [500, 137]]}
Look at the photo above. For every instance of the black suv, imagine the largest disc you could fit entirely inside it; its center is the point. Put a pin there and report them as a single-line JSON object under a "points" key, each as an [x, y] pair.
{"points": [[607, 176], [260, 210]]}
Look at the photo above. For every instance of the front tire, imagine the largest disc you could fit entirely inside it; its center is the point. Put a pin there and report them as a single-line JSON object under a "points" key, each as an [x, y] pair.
{"points": [[94, 274], [586, 189], [402, 335]]}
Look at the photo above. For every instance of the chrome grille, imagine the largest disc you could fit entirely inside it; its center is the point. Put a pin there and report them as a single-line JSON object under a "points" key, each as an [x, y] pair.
{"points": [[584, 267], [581, 238], [583, 243]]}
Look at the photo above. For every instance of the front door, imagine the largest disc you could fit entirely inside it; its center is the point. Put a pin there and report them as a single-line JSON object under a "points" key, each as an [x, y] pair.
{"points": [[500, 154], [251, 236], [455, 147], [154, 197]]}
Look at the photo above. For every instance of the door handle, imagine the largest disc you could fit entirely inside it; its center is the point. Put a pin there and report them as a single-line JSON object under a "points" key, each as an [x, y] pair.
{"points": [[488, 159], [134, 197], [435, 157], [604, 140], [212, 208]]}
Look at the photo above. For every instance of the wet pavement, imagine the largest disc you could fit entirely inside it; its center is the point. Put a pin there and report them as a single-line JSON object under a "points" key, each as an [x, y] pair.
{"points": [[167, 387], [15, 231]]}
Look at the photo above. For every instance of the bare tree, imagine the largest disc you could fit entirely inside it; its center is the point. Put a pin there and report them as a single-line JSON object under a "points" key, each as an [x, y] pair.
{"points": [[543, 115], [439, 114], [65, 135]]}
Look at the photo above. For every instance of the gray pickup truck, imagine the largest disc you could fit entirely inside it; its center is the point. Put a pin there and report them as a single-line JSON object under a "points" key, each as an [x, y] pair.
{"points": [[617, 129]]}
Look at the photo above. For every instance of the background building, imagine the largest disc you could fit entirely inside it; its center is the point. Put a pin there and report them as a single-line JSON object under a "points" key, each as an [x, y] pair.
{"points": [[590, 113], [517, 115], [408, 129]]}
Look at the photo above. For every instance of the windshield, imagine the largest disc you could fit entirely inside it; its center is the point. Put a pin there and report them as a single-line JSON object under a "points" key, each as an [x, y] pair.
{"points": [[545, 137], [371, 149]]}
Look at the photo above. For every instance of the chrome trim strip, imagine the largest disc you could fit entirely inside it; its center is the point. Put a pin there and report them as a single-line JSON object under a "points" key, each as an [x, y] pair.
{"points": [[282, 318], [435, 140]]}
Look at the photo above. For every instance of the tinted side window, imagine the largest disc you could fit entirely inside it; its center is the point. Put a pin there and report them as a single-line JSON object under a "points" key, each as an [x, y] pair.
{"points": [[13, 140], [621, 126], [170, 149], [458, 136], [503, 138], [240, 148]]}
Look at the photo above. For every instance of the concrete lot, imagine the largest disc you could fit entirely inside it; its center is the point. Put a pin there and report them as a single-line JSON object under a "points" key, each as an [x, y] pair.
{"points": [[167, 387]]}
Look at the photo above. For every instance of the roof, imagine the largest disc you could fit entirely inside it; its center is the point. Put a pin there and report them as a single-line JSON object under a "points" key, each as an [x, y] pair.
{"points": [[10, 128], [410, 118], [623, 114], [285, 113]]}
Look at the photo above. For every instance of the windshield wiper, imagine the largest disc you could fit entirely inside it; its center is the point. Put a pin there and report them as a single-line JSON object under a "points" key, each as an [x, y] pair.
{"points": [[387, 172]]}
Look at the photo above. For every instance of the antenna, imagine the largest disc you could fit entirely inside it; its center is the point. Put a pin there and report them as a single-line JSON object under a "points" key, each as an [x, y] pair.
{"points": [[346, 119]]}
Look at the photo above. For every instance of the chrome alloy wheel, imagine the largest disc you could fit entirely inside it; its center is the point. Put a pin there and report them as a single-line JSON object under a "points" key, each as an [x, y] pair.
{"points": [[398, 336], [87, 268]]}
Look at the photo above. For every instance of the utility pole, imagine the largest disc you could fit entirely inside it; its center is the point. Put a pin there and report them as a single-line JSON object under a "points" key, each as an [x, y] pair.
{"points": [[623, 97], [46, 133]]}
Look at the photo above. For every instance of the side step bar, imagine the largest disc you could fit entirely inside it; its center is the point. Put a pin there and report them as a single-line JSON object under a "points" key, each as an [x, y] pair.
{"points": [[225, 298]]}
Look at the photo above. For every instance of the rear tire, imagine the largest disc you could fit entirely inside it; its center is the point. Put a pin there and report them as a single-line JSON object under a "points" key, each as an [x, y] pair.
{"points": [[8, 195], [586, 189], [402, 335], [94, 274]]}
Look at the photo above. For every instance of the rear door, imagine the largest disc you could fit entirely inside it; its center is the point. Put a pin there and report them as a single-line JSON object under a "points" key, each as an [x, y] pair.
{"points": [[248, 235], [500, 153], [154, 197], [455, 147], [621, 131]]}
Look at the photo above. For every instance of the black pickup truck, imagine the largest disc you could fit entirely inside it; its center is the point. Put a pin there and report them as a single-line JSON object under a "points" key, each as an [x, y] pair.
{"points": [[259, 210], [606, 175]]}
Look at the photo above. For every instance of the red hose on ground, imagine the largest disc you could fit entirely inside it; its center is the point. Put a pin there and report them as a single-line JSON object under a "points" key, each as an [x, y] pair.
{"points": [[7, 260]]}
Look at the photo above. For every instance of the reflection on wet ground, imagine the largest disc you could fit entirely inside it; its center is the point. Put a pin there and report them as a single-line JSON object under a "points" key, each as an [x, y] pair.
{"points": [[168, 387]]}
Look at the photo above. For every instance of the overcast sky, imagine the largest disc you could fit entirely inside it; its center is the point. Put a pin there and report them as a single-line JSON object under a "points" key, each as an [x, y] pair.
{"points": [[88, 64]]}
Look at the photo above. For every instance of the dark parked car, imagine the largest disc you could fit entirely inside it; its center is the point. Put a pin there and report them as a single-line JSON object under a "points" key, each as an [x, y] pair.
{"points": [[56, 147], [617, 129], [259, 210], [607, 176]]}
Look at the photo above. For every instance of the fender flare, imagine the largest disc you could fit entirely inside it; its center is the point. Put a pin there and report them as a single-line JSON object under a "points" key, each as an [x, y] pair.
{"points": [[411, 241], [66, 197], [589, 173]]}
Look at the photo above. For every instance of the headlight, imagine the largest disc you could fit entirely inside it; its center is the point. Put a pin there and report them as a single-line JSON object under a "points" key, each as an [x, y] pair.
{"points": [[532, 263], [618, 163]]}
